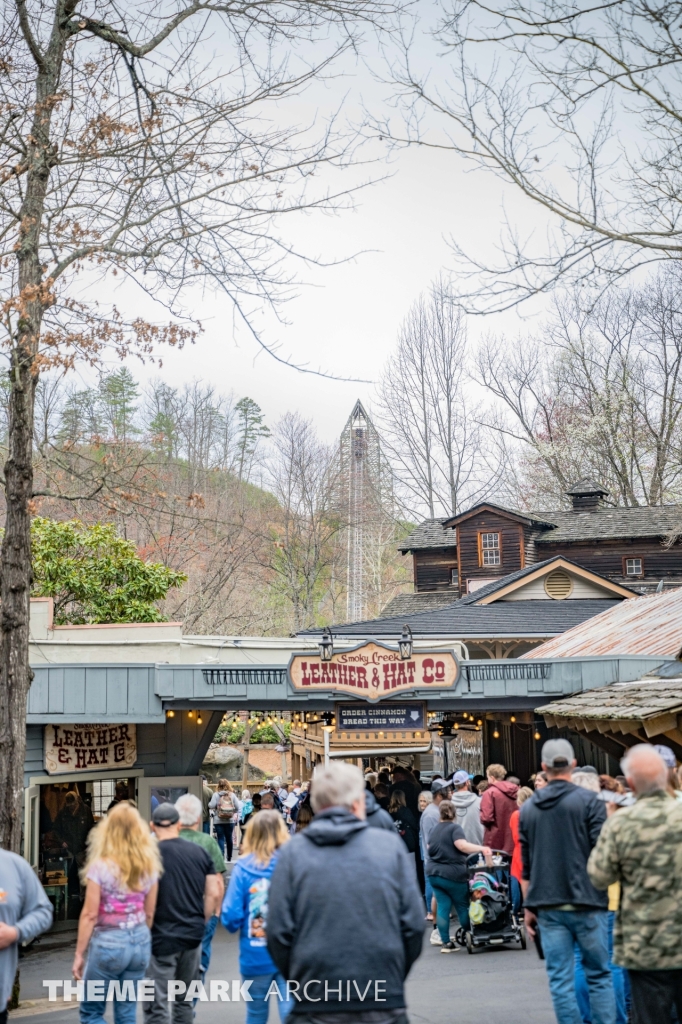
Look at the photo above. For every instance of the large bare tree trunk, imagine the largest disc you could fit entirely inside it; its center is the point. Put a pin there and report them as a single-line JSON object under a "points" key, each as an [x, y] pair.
{"points": [[15, 558]]}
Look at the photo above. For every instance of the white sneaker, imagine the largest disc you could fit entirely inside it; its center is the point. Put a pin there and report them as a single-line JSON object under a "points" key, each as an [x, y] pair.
{"points": [[435, 939]]}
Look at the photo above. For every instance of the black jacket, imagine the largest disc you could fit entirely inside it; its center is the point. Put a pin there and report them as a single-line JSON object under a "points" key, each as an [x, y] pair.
{"points": [[411, 791], [558, 827], [344, 910], [377, 817]]}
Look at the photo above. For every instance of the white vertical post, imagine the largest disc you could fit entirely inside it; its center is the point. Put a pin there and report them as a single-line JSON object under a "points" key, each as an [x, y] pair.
{"points": [[326, 747]]}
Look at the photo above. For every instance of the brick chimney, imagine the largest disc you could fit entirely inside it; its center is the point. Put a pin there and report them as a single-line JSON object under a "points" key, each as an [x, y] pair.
{"points": [[587, 495]]}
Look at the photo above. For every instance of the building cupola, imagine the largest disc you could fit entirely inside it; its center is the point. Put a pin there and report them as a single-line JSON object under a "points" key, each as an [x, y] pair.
{"points": [[587, 495]]}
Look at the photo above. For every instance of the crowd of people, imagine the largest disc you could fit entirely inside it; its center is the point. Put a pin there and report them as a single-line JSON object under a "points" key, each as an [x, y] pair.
{"points": [[595, 862]]}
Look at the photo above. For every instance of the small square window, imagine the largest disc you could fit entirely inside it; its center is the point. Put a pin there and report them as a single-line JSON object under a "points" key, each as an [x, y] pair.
{"points": [[454, 578], [633, 567], [490, 549]]}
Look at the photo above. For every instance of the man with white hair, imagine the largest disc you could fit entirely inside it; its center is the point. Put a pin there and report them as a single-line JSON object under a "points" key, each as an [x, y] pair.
{"points": [[641, 847], [345, 918], [190, 809]]}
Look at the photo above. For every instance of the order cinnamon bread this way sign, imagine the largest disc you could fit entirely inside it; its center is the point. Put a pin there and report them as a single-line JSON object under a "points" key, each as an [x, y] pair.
{"points": [[373, 671]]}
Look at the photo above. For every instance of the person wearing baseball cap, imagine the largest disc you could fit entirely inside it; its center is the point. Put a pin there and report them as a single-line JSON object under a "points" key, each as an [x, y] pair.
{"points": [[467, 808], [188, 898], [558, 828], [441, 790]]}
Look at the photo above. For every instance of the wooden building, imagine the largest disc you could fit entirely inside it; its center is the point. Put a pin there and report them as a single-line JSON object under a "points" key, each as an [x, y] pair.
{"points": [[634, 547]]}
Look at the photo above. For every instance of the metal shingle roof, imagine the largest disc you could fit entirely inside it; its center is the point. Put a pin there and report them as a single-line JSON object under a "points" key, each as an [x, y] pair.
{"points": [[643, 625]]}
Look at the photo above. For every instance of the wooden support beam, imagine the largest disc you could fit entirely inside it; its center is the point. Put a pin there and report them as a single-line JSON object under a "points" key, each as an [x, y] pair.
{"points": [[661, 723]]}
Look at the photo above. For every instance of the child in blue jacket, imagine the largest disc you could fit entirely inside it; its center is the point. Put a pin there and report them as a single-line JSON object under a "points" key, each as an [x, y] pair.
{"points": [[245, 909]]}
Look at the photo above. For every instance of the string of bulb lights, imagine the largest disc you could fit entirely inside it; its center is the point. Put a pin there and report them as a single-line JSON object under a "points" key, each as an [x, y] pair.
{"points": [[437, 721], [446, 722]]}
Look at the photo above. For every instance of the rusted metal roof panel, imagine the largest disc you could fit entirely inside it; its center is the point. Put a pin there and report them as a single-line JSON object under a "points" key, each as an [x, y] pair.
{"points": [[642, 625]]}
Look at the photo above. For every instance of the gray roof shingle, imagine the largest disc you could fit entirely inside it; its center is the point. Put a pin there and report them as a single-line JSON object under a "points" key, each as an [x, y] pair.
{"points": [[429, 534], [604, 523], [612, 523], [460, 620], [408, 604]]}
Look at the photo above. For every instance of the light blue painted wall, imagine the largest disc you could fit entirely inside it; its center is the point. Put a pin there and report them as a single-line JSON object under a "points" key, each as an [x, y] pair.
{"points": [[94, 693], [137, 693]]}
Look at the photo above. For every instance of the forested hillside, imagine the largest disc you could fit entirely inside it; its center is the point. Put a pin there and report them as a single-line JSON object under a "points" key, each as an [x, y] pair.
{"points": [[199, 482]]}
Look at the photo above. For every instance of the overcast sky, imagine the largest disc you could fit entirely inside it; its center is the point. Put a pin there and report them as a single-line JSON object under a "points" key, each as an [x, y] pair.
{"points": [[345, 318]]}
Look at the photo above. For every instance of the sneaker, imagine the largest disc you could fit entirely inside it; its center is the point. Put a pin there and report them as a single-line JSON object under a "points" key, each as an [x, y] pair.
{"points": [[435, 938], [449, 947]]}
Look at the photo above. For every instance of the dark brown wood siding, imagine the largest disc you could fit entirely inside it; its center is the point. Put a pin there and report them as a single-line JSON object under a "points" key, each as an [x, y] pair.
{"points": [[511, 542], [433, 568], [606, 556]]}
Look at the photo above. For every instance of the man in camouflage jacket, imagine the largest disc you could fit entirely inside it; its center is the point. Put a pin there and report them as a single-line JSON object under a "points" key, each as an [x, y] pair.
{"points": [[641, 847]]}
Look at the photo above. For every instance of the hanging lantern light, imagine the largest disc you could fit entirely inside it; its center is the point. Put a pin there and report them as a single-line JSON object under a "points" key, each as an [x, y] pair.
{"points": [[405, 643], [326, 645]]}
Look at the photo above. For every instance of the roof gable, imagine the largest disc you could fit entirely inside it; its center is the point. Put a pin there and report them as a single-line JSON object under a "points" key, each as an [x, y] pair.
{"points": [[503, 588], [506, 513]]}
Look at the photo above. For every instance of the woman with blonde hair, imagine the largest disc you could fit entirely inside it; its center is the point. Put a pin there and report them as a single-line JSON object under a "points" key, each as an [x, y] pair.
{"points": [[121, 874], [245, 909]]}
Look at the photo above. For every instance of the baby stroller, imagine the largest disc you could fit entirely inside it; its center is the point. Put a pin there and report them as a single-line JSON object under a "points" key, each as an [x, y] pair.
{"points": [[497, 923]]}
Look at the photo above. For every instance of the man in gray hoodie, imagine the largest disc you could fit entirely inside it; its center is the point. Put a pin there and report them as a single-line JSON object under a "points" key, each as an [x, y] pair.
{"points": [[467, 808], [25, 911]]}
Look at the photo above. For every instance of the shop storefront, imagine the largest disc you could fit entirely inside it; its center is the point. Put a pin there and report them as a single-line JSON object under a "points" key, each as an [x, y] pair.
{"points": [[129, 712]]}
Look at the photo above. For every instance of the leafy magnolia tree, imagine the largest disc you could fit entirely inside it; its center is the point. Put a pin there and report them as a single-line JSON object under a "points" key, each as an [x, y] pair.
{"points": [[136, 140], [93, 575]]}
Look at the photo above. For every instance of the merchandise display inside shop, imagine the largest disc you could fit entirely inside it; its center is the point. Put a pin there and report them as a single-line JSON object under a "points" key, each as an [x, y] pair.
{"points": [[68, 811]]}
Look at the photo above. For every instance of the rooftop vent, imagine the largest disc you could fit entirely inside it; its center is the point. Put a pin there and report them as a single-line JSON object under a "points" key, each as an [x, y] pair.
{"points": [[558, 585], [587, 495]]}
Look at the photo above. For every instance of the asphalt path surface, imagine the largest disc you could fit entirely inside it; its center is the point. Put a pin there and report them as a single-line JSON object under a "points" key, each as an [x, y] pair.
{"points": [[499, 986]]}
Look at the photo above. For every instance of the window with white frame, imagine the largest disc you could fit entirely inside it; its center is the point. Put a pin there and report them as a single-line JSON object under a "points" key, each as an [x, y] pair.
{"points": [[490, 549], [633, 567], [102, 795]]}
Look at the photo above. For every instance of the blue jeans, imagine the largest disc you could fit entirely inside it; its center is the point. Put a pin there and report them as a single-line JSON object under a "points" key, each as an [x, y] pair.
{"points": [[223, 833], [206, 827], [516, 895], [428, 893], [621, 984], [560, 932], [209, 932], [448, 893], [116, 954], [257, 1010]]}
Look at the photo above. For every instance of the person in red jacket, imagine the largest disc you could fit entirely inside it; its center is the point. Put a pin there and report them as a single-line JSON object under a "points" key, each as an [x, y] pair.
{"points": [[498, 803]]}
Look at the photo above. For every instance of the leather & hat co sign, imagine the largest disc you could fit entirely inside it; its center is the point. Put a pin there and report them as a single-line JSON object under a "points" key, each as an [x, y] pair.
{"points": [[374, 671]]}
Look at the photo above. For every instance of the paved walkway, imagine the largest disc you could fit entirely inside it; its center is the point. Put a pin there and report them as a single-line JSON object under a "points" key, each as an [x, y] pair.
{"points": [[491, 987]]}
